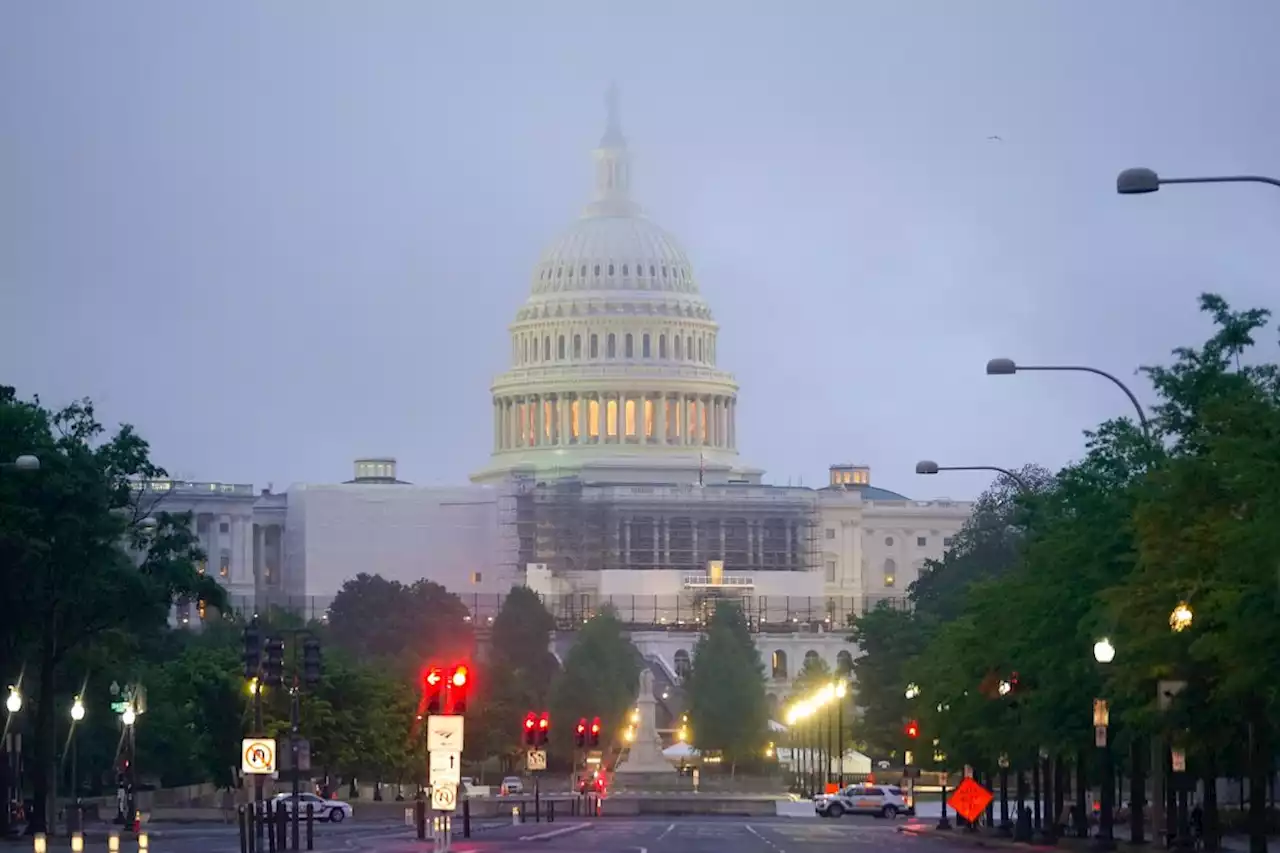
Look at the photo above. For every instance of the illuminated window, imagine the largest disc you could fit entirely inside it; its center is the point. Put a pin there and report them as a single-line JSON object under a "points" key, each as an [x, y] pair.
{"points": [[648, 419], [202, 609], [703, 414], [577, 346], [477, 577], [628, 348], [611, 346], [779, 661], [224, 566], [630, 419], [593, 419], [673, 418], [662, 346], [595, 346], [692, 405], [574, 409], [890, 573], [611, 419], [644, 346], [560, 348], [547, 419]]}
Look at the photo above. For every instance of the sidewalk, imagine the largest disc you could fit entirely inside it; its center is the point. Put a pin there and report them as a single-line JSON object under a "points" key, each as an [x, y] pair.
{"points": [[984, 838]]}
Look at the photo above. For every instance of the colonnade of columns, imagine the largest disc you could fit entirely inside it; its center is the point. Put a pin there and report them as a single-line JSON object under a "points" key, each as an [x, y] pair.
{"points": [[614, 417], [648, 542]]}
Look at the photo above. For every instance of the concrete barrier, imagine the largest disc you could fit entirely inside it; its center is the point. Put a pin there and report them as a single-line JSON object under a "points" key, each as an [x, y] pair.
{"points": [[789, 808]]}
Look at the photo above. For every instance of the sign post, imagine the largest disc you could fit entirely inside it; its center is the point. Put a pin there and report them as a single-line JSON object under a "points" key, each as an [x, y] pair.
{"points": [[444, 769]]}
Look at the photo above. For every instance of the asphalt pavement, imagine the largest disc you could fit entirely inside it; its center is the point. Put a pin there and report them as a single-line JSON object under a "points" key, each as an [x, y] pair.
{"points": [[684, 835]]}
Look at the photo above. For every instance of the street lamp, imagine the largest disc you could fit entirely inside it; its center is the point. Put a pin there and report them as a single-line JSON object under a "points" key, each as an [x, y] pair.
{"points": [[1008, 367], [1181, 617], [913, 690], [1139, 181], [928, 466], [129, 717], [841, 690], [14, 703], [77, 715], [25, 462], [1103, 651]]}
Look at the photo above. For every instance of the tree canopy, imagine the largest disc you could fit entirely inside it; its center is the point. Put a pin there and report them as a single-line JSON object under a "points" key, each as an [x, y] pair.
{"points": [[1187, 515], [600, 678], [726, 688]]}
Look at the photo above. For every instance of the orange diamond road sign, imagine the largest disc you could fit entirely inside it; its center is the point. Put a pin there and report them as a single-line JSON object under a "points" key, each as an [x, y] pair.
{"points": [[970, 800]]}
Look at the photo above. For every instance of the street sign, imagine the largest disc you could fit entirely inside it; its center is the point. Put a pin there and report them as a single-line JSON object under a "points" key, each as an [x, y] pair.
{"points": [[258, 755], [446, 767], [118, 707], [444, 797], [537, 759], [444, 733], [970, 800]]}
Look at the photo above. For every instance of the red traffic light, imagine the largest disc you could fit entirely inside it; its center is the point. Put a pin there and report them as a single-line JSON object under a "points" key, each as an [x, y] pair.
{"points": [[459, 677], [913, 729], [529, 721], [544, 722], [434, 677], [595, 726], [582, 726]]}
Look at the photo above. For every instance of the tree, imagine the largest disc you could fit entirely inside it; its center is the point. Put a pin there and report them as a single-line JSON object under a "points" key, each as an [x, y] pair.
{"points": [[83, 553], [890, 640], [520, 672], [726, 688], [600, 677], [411, 625]]}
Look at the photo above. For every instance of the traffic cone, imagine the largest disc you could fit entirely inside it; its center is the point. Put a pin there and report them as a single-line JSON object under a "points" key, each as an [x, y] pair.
{"points": [[137, 822]]}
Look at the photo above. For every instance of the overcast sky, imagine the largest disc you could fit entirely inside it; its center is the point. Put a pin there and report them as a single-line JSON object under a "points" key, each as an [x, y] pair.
{"points": [[279, 235]]}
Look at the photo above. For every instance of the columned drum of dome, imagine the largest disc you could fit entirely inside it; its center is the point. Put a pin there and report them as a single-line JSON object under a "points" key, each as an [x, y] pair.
{"points": [[613, 356]]}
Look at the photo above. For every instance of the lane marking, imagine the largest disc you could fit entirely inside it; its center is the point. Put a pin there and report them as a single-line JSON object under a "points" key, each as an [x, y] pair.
{"points": [[665, 831], [752, 830], [555, 833]]}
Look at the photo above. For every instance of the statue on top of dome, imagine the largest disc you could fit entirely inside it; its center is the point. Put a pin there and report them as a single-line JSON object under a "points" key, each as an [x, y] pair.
{"points": [[613, 137]]}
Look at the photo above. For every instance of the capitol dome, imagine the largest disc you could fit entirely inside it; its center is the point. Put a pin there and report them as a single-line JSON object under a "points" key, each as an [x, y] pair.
{"points": [[613, 355]]}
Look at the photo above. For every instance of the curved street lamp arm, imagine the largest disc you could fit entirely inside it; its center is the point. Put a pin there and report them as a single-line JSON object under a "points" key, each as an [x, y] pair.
{"points": [[1226, 179], [1015, 477], [1137, 407]]}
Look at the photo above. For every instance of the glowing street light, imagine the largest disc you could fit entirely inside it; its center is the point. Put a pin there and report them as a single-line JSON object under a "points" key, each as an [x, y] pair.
{"points": [[129, 717], [77, 710], [1181, 617], [14, 703], [1005, 688], [913, 690]]}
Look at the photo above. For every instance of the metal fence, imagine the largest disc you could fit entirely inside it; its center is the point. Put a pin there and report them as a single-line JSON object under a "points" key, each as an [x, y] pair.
{"points": [[772, 614]]}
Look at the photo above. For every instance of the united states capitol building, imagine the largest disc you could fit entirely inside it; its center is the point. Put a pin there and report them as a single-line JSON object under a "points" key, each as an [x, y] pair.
{"points": [[614, 477]]}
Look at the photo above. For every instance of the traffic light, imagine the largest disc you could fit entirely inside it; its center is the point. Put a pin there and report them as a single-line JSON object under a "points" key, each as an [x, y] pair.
{"points": [[580, 733], [912, 729], [459, 682], [595, 732], [433, 687], [273, 666], [311, 662], [252, 650], [544, 728], [530, 734]]}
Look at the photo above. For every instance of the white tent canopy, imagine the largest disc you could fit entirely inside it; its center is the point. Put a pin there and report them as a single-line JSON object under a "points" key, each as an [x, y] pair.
{"points": [[678, 751]]}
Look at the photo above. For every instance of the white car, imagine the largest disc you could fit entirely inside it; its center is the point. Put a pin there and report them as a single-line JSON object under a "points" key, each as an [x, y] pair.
{"points": [[334, 811], [879, 800], [512, 785]]}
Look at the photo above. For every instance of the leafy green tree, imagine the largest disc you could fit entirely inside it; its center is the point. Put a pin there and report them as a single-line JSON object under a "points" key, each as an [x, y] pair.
{"points": [[600, 677], [412, 625], [890, 640], [726, 688], [83, 553]]}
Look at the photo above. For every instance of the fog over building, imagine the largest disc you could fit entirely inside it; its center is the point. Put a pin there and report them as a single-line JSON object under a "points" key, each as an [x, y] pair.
{"points": [[614, 477]]}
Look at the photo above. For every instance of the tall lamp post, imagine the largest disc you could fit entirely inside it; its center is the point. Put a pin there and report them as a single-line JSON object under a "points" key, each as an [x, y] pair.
{"points": [[8, 770], [841, 690], [129, 718], [928, 466], [77, 715], [1139, 181], [1008, 367], [1104, 653]]}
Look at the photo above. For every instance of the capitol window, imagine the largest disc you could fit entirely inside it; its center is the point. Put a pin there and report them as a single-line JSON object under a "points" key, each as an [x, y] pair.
{"points": [[546, 348], [560, 348], [611, 346], [624, 269], [662, 346], [700, 350], [644, 345], [664, 271], [597, 269], [577, 346], [678, 355], [610, 269], [688, 348], [890, 573], [628, 347], [595, 346], [611, 419], [593, 419], [584, 270]]}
